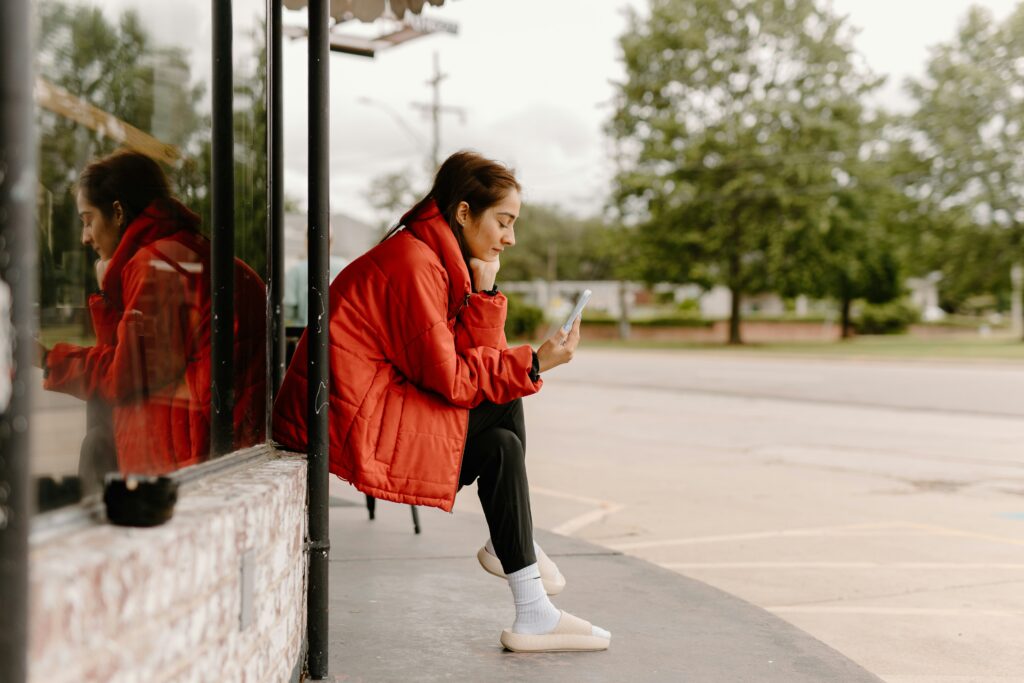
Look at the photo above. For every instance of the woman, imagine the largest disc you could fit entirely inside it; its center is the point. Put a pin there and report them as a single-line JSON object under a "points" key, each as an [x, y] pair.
{"points": [[151, 360], [425, 394]]}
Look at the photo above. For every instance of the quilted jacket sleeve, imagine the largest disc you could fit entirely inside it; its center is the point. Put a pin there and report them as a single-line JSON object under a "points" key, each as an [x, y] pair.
{"points": [[482, 322], [149, 350], [478, 367]]}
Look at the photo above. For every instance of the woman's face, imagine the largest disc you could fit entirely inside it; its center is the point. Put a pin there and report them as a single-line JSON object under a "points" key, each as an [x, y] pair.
{"points": [[98, 231], [490, 233]]}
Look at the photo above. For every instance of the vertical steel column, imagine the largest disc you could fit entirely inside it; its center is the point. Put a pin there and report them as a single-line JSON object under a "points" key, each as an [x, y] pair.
{"points": [[17, 292], [316, 331], [275, 130], [222, 270]]}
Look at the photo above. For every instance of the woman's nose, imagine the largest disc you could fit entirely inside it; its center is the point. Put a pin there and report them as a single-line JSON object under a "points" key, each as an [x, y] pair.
{"points": [[510, 238]]}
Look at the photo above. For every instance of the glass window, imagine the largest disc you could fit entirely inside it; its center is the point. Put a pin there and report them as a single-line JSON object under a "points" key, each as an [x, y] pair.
{"points": [[123, 114]]}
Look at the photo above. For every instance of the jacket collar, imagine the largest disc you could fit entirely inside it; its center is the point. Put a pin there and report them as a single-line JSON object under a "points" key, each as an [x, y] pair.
{"points": [[428, 225], [157, 221]]}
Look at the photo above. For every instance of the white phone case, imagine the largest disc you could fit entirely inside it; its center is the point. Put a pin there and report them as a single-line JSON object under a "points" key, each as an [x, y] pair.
{"points": [[580, 303]]}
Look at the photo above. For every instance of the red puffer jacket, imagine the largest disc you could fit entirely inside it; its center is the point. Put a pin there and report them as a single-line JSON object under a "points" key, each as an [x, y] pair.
{"points": [[151, 360], [412, 350]]}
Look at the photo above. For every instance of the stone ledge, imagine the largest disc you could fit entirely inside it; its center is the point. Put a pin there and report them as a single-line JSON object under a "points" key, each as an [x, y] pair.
{"points": [[110, 603]]}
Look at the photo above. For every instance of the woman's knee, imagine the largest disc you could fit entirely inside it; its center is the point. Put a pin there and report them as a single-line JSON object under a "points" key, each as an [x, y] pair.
{"points": [[496, 450], [515, 411], [507, 447]]}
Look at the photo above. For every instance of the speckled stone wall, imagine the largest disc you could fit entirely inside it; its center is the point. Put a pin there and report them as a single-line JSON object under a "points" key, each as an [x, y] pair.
{"points": [[112, 604]]}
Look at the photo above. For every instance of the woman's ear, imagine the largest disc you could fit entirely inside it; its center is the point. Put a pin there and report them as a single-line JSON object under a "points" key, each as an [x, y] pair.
{"points": [[118, 215], [462, 214]]}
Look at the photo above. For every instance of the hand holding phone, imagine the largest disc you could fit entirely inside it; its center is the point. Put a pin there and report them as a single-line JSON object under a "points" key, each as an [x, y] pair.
{"points": [[577, 311], [561, 347]]}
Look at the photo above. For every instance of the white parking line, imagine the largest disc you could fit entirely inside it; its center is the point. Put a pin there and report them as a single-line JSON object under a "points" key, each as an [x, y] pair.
{"points": [[569, 496], [894, 611], [782, 533], [940, 678], [946, 531], [844, 565], [571, 526], [586, 519]]}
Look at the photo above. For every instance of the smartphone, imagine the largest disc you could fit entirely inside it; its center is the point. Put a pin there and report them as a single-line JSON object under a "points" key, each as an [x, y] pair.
{"points": [[576, 312]]}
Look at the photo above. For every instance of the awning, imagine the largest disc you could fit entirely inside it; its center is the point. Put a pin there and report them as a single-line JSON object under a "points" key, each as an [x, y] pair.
{"points": [[401, 22], [369, 10]]}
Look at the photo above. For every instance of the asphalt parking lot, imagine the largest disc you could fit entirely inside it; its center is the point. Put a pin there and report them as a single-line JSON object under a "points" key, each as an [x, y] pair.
{"points": [[878, 505]]}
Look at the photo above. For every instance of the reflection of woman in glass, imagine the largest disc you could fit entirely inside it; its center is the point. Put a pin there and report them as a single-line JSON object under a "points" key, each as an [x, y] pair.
{"points": [[425, 393], [151, 360]]}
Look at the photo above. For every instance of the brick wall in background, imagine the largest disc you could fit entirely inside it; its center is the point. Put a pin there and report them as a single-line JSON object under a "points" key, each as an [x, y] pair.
{"points": [[113, 605]]}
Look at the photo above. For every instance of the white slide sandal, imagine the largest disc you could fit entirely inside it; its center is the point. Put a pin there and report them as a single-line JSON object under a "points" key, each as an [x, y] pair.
{"points": [[552, 579], [572, 634]]}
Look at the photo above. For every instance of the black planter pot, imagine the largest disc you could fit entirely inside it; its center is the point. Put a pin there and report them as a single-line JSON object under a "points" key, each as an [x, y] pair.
{"points": [[139, 501]]}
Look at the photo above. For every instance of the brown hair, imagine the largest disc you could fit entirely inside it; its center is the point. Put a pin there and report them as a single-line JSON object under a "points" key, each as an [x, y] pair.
{"points": [[128, 177], [467, 177]]}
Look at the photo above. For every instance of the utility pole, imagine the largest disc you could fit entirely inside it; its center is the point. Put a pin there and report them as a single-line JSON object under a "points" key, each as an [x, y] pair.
{"points": [[435, 109]]}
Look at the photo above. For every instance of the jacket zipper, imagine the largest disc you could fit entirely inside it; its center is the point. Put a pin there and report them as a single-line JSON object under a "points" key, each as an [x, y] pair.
{"points": [[462, 460], [462, 306], [465, 440]]}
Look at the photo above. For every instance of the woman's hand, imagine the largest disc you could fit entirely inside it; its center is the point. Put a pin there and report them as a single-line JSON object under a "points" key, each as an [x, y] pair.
{"points": [[484, 273], [101, 270], [560, 348]]}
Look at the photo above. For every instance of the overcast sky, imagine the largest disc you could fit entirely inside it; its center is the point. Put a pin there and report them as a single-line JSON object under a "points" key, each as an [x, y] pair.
{"points": [[532, 76]]}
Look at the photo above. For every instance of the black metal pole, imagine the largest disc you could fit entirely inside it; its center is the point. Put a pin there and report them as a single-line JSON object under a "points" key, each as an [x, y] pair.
{"points": [[222, 268], [275, 128], [316, 331], [17, 292]]}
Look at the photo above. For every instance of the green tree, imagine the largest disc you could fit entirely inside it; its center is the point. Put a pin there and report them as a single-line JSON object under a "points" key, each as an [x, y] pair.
{"points": [[552, 244], [968, 122], [607, 251], [734, 125], [861, 250], [546, 238]]}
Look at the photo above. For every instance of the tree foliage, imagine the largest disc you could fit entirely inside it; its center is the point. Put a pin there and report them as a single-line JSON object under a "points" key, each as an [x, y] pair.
{"points": [[969, 131], [553, 245], [737, 123], [862, 250]]}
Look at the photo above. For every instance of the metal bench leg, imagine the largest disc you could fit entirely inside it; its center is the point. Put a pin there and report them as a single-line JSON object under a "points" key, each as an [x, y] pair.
{"points": [[371, 505], [415, 519]]}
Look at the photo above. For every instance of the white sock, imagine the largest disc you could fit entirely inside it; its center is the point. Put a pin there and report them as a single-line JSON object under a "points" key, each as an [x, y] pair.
{"points": [[534, 612]]}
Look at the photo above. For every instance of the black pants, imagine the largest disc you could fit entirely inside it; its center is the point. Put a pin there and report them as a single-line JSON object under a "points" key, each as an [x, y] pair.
{"points": [[495, 456]]}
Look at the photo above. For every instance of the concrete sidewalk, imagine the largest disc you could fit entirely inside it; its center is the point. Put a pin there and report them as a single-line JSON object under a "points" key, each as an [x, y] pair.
{"points": [[419, 608]]}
